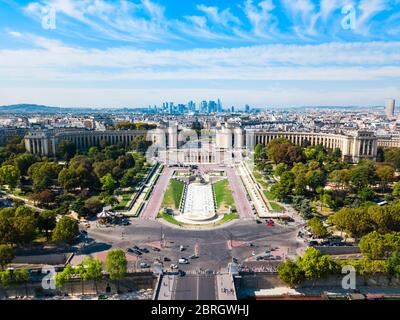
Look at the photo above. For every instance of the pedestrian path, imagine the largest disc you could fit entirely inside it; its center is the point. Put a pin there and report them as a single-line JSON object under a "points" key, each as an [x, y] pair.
{"points": [[166, 287], [225, 286]]}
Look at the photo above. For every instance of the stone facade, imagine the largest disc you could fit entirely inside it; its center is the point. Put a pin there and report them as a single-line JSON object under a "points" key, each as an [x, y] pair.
{"points": [[45, 142]]}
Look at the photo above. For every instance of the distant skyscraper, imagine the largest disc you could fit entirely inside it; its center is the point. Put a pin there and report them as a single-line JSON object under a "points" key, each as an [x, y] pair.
{"points": [[191, 106], [219, 106], [212, 106], [247, 109], [390, 105], [203, 107]]}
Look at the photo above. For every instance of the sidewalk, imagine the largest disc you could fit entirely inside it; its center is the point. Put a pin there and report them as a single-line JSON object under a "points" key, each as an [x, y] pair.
{"points": [[166, 288], [225, 286]]}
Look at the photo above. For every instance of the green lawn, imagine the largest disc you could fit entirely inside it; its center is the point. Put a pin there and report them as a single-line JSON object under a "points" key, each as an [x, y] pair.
{"points": [[173, 195], [269, 195], [223, 194], [230, 216], [260, 179], [276, 207]]}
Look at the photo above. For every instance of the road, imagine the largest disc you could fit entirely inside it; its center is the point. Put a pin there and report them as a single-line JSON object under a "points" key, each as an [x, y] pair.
{"points": [[212, 244], [154, 203], [195, 287]]}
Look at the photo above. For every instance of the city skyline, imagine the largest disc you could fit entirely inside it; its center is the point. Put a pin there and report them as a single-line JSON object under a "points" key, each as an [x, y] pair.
{"points": [[261, 53]]}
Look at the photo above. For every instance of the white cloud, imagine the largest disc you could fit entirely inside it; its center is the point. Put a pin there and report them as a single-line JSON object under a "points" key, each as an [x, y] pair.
{"points": [[15, 34]]}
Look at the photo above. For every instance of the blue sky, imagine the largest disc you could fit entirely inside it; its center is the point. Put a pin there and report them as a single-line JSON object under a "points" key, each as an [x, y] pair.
{"points": [[140, 52]]}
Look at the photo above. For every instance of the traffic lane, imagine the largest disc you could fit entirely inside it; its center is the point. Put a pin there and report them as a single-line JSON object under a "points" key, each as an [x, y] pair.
{"points": [[195, 287]]}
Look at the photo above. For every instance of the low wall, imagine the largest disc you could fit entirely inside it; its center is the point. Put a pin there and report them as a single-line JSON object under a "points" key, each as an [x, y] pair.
{"points": [[338, 250], [131, 283], [258, 281]]}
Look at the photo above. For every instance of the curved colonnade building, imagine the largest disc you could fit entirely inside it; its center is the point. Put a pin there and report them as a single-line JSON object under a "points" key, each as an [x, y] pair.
{"points": [[45, 142], [226, 142]]}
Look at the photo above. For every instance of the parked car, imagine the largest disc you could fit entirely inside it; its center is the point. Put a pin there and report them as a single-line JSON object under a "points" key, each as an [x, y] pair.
{"points": [[144, 265], [193, 256], [183, 261], [129, 250], [144, 250], [137, 252], [166, 259], [173, 266], [156, 249]]}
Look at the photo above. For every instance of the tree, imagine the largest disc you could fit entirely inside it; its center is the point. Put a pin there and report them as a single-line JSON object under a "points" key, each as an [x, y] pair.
{"points": [[396, 189], [378, 246], [289, 272], [315, 265], [21, 275], [110, 200], [280, 169], [281, 150], [257, 151], [94, 270], [302, 205], [363, 175], [7, 254], [393, 264], [66, 149], [93, 205], [284, 187], [356, 222], [108, 183], [366, 193], [385, 175], [43, 175], [116, 264], [46, 222], [45, 197], [317, 227], [66, 230], [140, 144], [392, 156], [24, 225], [10, 176], [24, 161], [64, 276]]}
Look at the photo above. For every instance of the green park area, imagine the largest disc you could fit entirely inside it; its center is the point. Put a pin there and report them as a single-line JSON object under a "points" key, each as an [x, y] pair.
{"points": [[223, 194], [173, 195]]}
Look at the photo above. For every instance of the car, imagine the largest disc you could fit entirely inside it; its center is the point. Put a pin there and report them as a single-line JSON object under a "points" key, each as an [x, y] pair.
{"points": [[156, 249], [137, 252], [144, 265], [166, 259], [258, 258], [258, 222], [135, 247], [313, 243], [126, 223], [181, 273], [193, 256], [129, 250], [173, 266], [183, 261], [181, 248], [144, 250]]}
